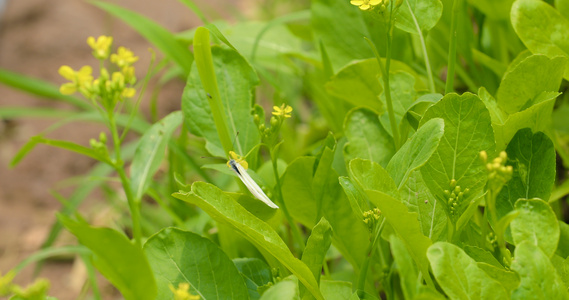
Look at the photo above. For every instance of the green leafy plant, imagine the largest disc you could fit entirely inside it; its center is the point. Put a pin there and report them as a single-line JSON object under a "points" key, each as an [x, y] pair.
{"points": [[416, 150]]}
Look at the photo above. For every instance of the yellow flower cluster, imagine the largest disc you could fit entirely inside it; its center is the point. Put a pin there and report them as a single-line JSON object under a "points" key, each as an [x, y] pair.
{"points": [[108, 87], [181, 293], [366, 4]]}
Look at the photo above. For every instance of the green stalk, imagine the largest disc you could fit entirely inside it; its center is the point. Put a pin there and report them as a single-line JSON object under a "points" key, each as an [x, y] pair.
{"points": [[424, 47], [294, 228], [452, 48], [204, 63], [365, 265], [118, 166]]}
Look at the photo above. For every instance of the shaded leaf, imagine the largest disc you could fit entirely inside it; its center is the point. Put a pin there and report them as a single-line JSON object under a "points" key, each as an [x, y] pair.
{"points": [[537, 224]]}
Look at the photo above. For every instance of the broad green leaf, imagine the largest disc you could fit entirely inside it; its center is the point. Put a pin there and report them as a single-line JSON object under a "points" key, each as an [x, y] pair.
{"points": [[317, 246], [367, 138], [332, 289], [539, 279], [304, 204], [178, 256], [563, 246], [541, 28], [236, 80], [480, 255], [523, 82], [154, 33], [150, 152], [495, 9], [40, 88], [459, 275], [422, 13], [359, 83], [283, 290], [563, 7], [562, 266], [468, 130], [119, 260], [537, 118], [532, 157], [431, 214], [537, 224], [416, 151], [371, 176], [407, 227], [224, 209], [357, 200], [508, 279], [406, 267], [255, 272]]}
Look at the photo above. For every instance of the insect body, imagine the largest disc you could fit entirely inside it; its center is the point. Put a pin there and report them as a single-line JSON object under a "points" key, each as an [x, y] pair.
{"points": [[251, 185]]}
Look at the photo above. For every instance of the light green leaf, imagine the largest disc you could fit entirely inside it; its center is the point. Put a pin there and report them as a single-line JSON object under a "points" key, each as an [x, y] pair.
{"points": [[305, 205], [468, 130], [358, 201], [371, 176], [154, 33], [236, 80], [332, 289], [119, 260], [563, 246], [408, 272], [431, 214], [367, 138], [283, 290], [358, 83], [508, 279], [425, 13], [255, 272], [562, 266], [541, 28], [150, 152], [178, 256], [532, 157], [537, 118], [92, 153], [407, 227], [416, 151], [403, 97], [539, 279], [495, 9], [316, 247], [536, 224], [459, 275], [224, 209], [563, 7], [523, 82]]}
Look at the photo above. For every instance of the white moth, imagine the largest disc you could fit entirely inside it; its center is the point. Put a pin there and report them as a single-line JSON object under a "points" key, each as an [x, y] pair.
{"points": [[253, 187]]}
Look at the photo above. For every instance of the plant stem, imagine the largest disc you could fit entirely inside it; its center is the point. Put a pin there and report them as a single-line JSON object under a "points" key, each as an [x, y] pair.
{"points": [[118, 166], [424, 47], [452, 48], [294, 228], [365, 265]]}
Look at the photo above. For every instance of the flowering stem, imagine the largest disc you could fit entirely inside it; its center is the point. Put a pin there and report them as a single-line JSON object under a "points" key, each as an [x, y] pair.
{"points": [[452, 48], [365, 265], [424, 47], [294, 228], [118, 166]]}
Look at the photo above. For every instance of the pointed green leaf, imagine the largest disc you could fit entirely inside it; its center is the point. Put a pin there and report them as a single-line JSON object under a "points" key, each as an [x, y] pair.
{"points": [[371, 176], [416, 151], [150, 152], [539, 279], [236, 80], [459, 275], [537, 224], [178, 256], [224, 209], [367, 138], [508, 279], [468, 130], [408, 272], [119, 260], [422, 13], [317, 246]]}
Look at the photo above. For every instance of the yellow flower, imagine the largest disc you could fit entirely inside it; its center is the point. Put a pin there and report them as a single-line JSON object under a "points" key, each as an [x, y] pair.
{"points": [[128, 93], [78, 79], [124, 57], [129, 76], [101, 47], [283, 110], [366, 4], [239, 159], [182, 292]]}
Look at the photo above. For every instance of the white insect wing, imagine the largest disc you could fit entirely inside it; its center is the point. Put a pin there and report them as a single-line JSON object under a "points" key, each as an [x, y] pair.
{"points": [[251, 185]]}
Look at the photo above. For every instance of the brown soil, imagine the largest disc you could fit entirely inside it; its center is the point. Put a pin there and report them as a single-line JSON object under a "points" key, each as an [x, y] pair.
{"points": [[36, 38]]}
